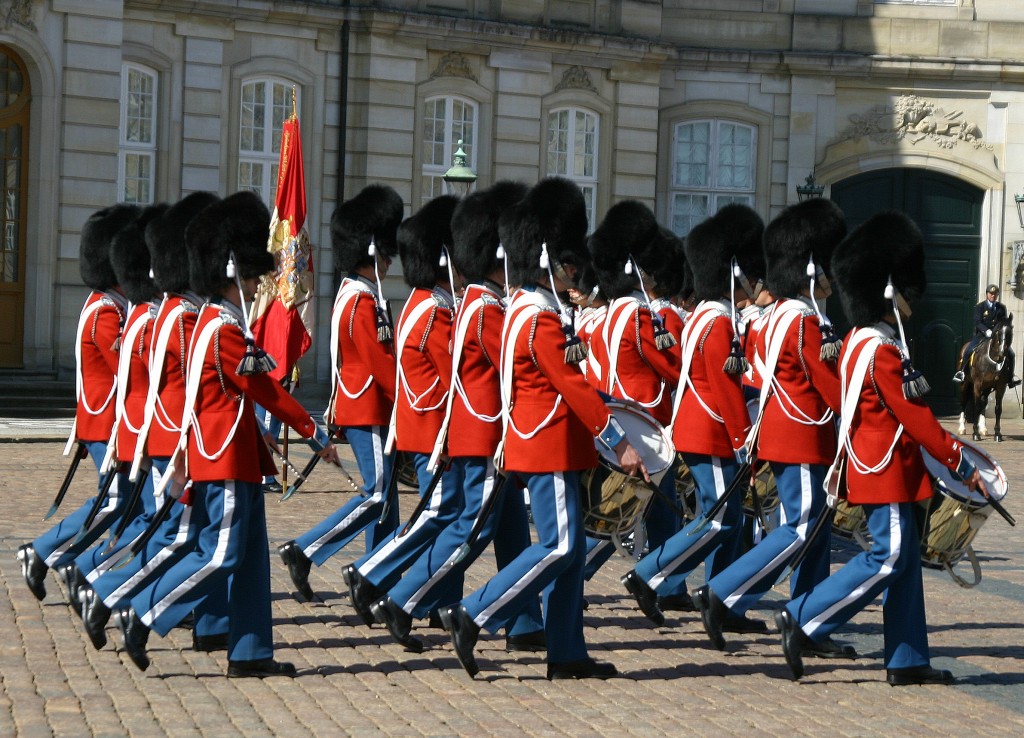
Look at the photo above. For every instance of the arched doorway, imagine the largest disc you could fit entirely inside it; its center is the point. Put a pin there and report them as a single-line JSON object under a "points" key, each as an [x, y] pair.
{"points": [[948, 212], [14, 128]]}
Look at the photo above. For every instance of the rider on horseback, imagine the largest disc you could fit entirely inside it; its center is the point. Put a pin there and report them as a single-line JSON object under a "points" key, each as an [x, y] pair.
{"points": [[987, 314]]}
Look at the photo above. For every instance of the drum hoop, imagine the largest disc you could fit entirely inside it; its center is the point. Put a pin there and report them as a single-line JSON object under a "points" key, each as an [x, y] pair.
{"points": [[957, 490], [622, 407]]}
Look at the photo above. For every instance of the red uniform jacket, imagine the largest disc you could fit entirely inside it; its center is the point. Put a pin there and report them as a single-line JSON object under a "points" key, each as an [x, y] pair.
{"points": [[709, 391], [642, 372], [881, 410], [475, 425], [173, 325], [364, 368], [96, 383], [753, 318], [797, 427], [225, 439], [554, 413], [136, 341], [595, 368], [423, 340]]}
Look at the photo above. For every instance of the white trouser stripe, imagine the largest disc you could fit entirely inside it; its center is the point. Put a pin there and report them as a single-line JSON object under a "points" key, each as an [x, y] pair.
{"points": [[209, 568], [561, 548], [884, 571], [376, 498], [431, 512]]}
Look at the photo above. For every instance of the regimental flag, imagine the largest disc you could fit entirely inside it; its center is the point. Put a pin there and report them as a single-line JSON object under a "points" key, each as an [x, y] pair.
{"points": [[282, 312]]}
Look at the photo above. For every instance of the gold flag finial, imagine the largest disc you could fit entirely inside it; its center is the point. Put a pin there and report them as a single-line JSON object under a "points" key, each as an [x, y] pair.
{"points": [[295, 114]]}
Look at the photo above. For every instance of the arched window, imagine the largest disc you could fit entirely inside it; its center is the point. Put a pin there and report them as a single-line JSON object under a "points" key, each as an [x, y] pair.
{"points": [[446, 121], [713, 164], [136, 166], [265, 105], [572, 151]]}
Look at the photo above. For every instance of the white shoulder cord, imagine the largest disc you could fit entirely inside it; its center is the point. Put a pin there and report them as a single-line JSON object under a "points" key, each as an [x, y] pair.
{"points": [[525, 306], [702, 317], [197, 358], [407, 320], [621, 312], [349, 290]]}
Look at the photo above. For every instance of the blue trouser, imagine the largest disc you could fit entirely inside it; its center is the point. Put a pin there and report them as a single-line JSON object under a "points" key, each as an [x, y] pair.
{"points": [[425, 585], [57, 546], [385, 564], [697, 541], [802, 498], [231, 554], [553, 565], [363, 511], [893, 564], [175, 537], [661, 521], [97, 559]]}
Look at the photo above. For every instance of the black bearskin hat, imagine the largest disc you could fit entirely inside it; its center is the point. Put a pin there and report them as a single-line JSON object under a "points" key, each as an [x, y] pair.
{"points": [[553, 212], [97, 234], [475, 228], [734, 231], [420, 238], [810, 228], [130, 257], [670, 269], [373, 214], [165, 238], [239, 225], [629, 229], [886, 245]]}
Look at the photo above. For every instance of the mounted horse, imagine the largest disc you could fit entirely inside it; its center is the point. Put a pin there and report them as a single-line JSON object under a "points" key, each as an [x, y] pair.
{"points": [[991, 370]]}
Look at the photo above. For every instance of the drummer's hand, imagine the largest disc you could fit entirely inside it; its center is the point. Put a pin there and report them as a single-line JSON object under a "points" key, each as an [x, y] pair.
{"points": [[976, 484], [630, 461], [329, 453]]}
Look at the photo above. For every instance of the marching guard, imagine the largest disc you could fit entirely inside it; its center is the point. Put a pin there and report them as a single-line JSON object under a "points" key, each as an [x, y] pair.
{"points": [[423, 351], [219, 443], [551, 416], [879, 270], [363, 231], [710, 420], [796, 355], [470, 436], [643, 359], [111, 589], [96, 359]]}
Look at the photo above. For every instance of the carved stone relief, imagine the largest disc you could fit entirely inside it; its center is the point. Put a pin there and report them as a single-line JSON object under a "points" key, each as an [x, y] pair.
{"points": [[17, 12], [914, 120], [576, 78], [453, 64]]}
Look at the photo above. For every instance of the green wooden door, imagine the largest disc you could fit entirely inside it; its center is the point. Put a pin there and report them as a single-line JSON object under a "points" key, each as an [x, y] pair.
{"points": [[948, 211]]}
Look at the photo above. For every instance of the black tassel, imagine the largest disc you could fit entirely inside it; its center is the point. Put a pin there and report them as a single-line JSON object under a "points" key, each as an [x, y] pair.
{"points": [[662, 338], [831, 344], [914, 383], [737, 362], [255, 360], [575, 349], [384, 332]]}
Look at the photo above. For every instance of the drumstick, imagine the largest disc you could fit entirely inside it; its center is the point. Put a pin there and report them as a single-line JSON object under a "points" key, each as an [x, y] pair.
{"points": [[998, 507]]}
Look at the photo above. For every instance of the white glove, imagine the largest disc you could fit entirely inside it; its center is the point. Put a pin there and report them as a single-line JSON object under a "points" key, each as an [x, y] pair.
{"points": [[988, 333]]}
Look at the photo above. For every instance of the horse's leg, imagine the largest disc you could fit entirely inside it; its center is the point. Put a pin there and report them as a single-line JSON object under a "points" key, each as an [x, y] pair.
{"points": [[1000, 389], [978, 414], [963, 422]]}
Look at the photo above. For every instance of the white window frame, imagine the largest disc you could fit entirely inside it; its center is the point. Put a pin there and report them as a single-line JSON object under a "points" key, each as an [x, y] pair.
{"points": [[715, 194], [141, 151], [575, 172], [452, 131], [259, 156]]}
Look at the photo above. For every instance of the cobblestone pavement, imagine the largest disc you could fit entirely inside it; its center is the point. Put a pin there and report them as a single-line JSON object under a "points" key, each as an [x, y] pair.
{"points": [[355, 680]]}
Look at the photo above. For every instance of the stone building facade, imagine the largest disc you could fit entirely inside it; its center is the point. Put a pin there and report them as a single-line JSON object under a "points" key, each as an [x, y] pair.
{"points": [[683, 104]]}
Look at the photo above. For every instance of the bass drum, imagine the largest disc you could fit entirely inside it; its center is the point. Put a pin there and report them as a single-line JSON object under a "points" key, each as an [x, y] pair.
{"points": [[954, 514], [613, 501]]}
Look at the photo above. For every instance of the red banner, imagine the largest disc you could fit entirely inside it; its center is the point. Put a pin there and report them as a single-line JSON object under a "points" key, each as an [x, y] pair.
{"points": [[282, 313]]}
